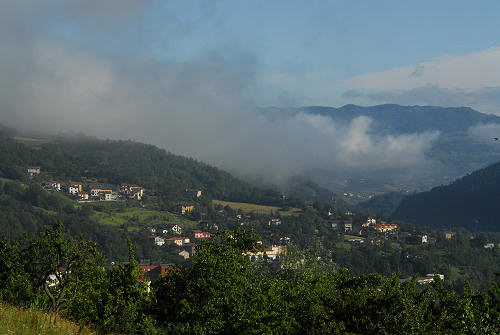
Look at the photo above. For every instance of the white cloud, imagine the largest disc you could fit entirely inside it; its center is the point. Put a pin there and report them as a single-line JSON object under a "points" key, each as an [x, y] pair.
{"points": [[360, 146], [467, 72]]}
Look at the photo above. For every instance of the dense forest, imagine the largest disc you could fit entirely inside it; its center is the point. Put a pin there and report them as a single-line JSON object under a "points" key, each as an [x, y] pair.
{"points": [[471, 202], [68, 158]]}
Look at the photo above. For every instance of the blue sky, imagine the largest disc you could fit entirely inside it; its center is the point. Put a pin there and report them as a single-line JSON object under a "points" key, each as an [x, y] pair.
{"points": [[186, 75], [302, 51], [313, 46]]}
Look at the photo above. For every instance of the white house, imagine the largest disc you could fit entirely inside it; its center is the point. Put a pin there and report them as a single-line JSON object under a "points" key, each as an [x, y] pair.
{"points": [[174, 228], [33, 170], [159, 241], [74, 187]]}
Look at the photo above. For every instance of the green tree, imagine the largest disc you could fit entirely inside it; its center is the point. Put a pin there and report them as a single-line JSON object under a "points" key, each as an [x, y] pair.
{"points": [[16, 286], [125, 304], [58, 264], [220, 294]]}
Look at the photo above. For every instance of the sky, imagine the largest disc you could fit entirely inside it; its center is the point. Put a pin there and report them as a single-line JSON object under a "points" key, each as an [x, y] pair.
{"points": [[187, 75]]}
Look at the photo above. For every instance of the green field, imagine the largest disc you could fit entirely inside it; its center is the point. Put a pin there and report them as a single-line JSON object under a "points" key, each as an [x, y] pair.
{"points": [[136, 218], [259, 209]]}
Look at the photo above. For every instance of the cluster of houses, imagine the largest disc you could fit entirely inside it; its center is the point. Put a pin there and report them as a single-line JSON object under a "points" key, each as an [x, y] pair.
{"points": [[272, 252], [94, 192], [33, 170], [97, 192], [185, 244], [340, 225]]}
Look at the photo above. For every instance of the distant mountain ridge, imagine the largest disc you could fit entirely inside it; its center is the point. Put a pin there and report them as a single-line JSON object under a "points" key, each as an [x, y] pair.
{"points": [[400, 119], [472, 202], [455, 153]]}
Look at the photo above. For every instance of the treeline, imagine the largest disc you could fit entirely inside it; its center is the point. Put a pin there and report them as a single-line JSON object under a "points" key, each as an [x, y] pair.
{"points": [[224, 293]]}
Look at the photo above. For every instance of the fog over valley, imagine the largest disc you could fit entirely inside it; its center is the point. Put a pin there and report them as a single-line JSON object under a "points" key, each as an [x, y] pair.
{"points": [[116, 72]]}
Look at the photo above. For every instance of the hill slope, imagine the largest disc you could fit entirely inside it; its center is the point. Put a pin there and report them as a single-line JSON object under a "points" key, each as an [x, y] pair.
{"points": [[469, 202], [114, 162]]}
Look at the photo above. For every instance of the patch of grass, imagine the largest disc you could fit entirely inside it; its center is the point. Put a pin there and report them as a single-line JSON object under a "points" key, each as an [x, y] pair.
{"points": [[20, 321], [353, 237], [137, 218], [31, 141], [259, 209], [343, 245], [396, 245]]}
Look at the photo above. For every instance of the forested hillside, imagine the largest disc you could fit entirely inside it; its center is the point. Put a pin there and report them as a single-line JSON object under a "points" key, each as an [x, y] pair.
{"points": [[472, 202], [341, 236], [384, 204], [71, 158], [26, 207]]}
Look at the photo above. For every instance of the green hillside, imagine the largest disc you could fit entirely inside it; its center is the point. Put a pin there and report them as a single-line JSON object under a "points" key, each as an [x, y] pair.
{"points": [[471, 202], [114, 162]]}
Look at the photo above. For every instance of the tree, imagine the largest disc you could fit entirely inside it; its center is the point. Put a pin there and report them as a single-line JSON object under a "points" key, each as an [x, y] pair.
{"points": [[220, 293], [126, 300], [16, 287], [57, 264]]}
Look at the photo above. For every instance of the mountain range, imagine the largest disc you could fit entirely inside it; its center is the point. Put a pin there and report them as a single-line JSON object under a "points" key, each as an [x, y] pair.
{"points": [[456, 152]]}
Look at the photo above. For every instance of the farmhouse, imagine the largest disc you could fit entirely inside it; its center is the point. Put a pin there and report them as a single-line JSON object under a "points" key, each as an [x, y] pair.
{"points": [[83, 195], [95, 189], [52, 185], [74, 187], [174, 228], [273, 252], [159, 241], [175, 240], [201, 235], [33, 170], [132, 191], [274, 222], [184, 209]]}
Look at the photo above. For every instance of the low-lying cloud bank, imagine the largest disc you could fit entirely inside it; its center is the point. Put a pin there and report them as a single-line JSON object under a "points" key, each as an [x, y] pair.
{"points": [[198, 108]]}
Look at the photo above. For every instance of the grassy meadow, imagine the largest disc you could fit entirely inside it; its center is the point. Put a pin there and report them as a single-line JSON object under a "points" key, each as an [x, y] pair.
{"points": [[19, 321], [136, 218], [259, 209]]}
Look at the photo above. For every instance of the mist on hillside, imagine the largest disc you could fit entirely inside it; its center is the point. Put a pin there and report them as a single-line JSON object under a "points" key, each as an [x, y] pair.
{"points": [[58, 78]]}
